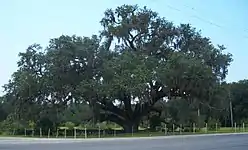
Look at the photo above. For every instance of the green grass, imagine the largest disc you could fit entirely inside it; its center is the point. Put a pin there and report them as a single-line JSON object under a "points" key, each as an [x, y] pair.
{"points": [[141, 134]]}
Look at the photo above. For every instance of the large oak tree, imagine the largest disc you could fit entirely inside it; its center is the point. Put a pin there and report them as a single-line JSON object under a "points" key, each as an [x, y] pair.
{"points": [[138, 59]]}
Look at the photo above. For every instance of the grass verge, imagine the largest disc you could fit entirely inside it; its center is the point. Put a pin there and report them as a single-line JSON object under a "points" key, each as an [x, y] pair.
{"points": [[139, 134]]}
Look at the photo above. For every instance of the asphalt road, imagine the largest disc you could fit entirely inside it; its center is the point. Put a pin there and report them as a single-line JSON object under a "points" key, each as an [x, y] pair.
{"points": [[210, 142]]}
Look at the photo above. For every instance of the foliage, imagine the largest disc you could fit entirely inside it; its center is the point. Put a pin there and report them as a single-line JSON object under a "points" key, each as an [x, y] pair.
{"points": [[11, 124], [153, 66], [213, 124], [69, 125], [239, 95]]}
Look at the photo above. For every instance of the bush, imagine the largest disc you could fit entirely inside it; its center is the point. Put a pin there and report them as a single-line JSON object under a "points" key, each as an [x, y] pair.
{"points": [[10, 125], [69, 125], [212, 124]]}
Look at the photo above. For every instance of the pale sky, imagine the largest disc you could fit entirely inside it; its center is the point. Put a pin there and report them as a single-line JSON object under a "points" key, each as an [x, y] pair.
{"points": [[24, 22]]}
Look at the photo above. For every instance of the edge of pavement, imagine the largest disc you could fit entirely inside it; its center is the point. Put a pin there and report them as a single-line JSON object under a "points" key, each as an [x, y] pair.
{"points": [[111, 139]]}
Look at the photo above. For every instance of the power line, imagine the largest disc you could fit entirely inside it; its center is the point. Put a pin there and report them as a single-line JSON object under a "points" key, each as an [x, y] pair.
{"points": [[209, 22], [193, 8], [206, 21]]}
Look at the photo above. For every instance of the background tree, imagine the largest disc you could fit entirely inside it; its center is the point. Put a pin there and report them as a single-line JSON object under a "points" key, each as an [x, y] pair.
{"points": [[239, 95]]}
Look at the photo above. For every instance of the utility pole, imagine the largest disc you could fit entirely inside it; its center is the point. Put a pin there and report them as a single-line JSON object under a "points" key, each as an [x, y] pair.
{"points": [[199, 117], [230, 107]]}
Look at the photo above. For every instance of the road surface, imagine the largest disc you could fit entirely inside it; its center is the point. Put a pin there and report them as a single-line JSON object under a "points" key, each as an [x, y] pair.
{"points": [[209, 142]]}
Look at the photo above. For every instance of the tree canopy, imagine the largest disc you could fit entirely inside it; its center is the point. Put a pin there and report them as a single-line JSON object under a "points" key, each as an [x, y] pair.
{"points": [[138, 62]]}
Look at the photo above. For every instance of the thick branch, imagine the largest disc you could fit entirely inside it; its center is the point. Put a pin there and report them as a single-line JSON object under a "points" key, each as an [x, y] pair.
{"points": [[156, 110], [112, 118], [110, 107], [128, 106], [131, 41], [155, 95]]}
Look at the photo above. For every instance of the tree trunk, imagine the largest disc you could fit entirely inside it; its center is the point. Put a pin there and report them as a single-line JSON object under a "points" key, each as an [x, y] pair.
{"points": [[131, 127]]}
